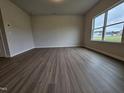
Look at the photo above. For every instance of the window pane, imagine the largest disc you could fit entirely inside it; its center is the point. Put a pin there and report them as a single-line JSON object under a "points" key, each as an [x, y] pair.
{"points": [[114, 33], [99, 21], [116, 14], [97, 34]]}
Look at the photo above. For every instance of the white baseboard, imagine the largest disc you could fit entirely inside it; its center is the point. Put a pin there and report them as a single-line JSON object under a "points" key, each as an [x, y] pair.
{"points": [[12, 55], [106, 53], [57, 46]]}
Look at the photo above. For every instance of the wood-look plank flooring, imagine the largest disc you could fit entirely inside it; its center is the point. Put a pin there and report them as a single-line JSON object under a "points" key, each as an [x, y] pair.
{"points": [[61, 70]]}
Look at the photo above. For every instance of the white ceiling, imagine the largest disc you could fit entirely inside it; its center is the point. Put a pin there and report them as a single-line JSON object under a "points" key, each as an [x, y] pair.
{"points": [[46, 7]]}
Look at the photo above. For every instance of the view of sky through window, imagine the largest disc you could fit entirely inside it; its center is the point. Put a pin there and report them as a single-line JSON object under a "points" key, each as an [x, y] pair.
{"points": [[116, 14], [99, 21]]}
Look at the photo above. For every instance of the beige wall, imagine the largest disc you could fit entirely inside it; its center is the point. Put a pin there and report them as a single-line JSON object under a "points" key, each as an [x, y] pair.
{"points": [[57, 31], [112, 49], [19, 33]]}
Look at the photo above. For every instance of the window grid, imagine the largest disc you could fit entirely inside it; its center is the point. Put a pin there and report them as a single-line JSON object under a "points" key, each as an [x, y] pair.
{"points": [[105, 26]]}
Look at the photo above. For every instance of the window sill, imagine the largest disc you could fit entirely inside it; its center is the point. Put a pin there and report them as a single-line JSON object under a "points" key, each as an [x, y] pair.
{"points": [[107, 42]]}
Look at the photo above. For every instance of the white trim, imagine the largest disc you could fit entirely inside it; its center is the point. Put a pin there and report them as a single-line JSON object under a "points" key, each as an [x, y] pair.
{"points": [[58, 46], [3, 44], [13, 55], [106, 53], [102, 41]]}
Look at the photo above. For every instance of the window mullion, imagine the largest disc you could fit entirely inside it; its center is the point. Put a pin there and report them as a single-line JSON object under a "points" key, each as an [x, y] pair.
{"points": [[97, 28], [123, 35], [93, 26], [105, 24], [115, 24]]}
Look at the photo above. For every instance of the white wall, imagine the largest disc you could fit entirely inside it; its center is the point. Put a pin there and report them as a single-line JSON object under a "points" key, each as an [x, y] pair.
{"points": [[19, 33], [57, 31], [48, 31]]}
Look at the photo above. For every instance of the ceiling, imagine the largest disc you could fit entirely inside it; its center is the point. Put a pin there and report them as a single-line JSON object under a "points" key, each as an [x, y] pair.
{"points": [[47, 7]]}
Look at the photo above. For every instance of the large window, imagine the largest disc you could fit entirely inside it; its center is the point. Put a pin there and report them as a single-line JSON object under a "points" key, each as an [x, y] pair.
{"points": [[109, 26]]}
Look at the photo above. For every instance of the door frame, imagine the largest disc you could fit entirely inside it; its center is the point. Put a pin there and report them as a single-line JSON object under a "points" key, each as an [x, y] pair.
{"points": [[4, 38]]}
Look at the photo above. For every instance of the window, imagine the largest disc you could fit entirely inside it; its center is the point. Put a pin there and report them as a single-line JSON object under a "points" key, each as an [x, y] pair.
{"points": [[98, 27], [109, 26]]}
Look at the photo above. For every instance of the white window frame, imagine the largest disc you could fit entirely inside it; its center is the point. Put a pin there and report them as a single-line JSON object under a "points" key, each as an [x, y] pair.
{"points": [[105, 25]]}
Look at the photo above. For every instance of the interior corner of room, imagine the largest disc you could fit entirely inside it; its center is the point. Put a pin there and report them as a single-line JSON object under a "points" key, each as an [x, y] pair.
{"points": [[24, 31]]}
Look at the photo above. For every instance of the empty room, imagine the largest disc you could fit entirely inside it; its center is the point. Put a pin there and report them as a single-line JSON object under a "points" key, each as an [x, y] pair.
{"points": [[61, 46]]}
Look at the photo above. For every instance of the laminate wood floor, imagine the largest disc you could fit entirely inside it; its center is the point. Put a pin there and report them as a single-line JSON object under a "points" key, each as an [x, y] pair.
{"points": [[61, 70]]}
